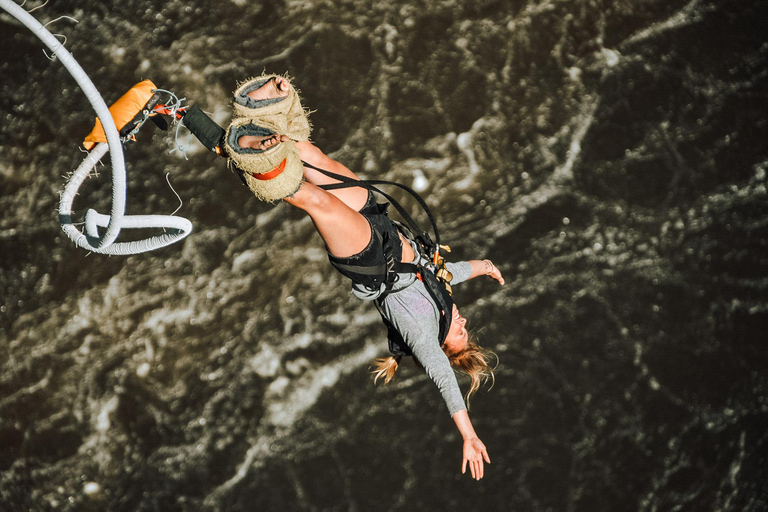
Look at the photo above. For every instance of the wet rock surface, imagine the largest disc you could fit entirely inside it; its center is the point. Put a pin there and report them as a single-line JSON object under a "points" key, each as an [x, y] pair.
{"points": [[609, 156]]}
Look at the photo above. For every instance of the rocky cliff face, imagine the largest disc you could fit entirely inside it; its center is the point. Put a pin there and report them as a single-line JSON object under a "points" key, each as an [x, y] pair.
{"points": [[610, 157]]}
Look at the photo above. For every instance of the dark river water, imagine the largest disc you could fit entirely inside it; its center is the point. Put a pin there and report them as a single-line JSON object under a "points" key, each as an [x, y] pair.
{"points": [[610, 157]]}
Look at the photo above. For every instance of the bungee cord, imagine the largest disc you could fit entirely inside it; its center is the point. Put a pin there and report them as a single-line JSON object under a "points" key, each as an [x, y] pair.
{"points": [[91, 239]]}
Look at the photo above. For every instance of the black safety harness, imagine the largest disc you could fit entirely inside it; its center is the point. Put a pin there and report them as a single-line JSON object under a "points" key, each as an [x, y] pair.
{"points": [[386, 274]]}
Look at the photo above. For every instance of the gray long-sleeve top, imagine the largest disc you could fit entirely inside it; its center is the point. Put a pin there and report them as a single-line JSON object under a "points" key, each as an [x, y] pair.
{"points": [[414, 314]]}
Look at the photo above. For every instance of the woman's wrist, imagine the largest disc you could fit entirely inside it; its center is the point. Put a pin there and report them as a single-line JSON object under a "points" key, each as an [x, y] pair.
{"points": [[463, 423], [488, 267]]}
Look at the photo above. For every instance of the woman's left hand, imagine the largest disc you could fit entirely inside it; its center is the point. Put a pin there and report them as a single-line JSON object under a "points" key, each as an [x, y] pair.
{"points": [[474, 454]]}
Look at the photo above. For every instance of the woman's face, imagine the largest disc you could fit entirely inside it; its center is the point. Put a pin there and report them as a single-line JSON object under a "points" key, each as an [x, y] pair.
{"points": [[457, 337]]}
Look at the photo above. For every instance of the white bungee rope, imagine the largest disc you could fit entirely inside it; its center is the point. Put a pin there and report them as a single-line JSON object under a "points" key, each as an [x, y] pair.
{"points": [[91, 240]]}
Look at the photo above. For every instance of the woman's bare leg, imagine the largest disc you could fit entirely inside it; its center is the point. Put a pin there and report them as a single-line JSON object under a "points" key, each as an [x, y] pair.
{"points": [[334, 212], [354, 197], [345, 231]]}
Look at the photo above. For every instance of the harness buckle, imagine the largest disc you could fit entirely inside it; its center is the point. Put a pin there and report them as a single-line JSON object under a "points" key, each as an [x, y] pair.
{"points": [[444, 274]]}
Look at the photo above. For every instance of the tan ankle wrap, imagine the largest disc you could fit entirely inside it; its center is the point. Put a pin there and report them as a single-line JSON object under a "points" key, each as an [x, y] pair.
{"points": [[271, 174], [286, 114]]}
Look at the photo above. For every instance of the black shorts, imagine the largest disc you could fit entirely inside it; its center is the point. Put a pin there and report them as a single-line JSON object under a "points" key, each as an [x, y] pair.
{"points": [[383, 232]]}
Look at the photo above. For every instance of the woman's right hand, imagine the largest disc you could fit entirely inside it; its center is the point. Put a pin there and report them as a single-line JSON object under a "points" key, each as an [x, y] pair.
{"points": [[474, 455]]}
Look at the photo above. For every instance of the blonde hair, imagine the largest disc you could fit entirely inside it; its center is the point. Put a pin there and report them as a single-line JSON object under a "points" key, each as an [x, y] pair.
{"points": [[474, 362], [385, 367]]}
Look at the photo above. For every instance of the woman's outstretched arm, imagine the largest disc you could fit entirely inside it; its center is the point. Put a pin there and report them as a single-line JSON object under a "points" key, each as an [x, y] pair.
{"points": [[474, 452], [465, 270]]}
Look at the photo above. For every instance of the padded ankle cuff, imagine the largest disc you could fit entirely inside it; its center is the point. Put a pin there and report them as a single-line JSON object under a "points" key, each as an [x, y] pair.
{"points": [[272, 173], [285, 113]]}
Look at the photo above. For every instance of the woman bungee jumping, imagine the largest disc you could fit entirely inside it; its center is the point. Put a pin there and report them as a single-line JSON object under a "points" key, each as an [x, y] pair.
{"points": [[268, 143]]}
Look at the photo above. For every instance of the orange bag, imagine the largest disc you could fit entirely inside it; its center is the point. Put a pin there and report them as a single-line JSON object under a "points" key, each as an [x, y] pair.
{"points": [[123, 111]]}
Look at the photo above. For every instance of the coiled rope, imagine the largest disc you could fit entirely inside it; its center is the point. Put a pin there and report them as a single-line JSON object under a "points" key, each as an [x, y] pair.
{"points": [[90, 239]]}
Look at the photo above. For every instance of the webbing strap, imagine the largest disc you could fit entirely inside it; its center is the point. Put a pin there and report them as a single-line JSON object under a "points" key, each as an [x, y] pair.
{"points": [[406, 268], [376, 270]]}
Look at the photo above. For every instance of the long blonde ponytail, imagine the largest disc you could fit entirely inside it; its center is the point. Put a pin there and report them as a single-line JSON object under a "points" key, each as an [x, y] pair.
{"points": [[385, 367]]}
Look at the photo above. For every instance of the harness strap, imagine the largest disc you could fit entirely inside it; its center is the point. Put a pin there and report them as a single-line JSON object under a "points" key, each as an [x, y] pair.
{"points": [[365, 270], [406, 268]]}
